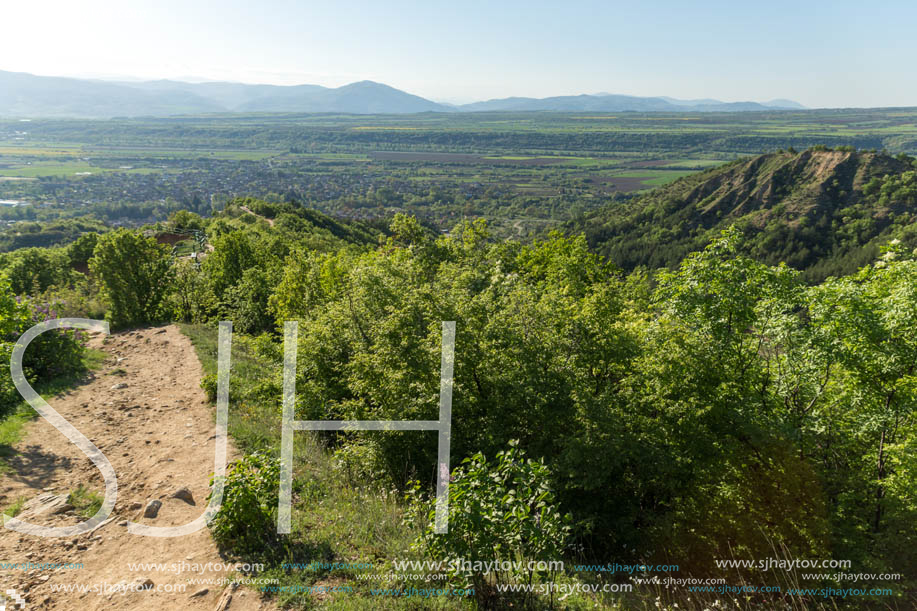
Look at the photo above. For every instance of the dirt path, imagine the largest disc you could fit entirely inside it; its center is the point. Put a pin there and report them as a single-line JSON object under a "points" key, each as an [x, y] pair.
{"points": [[146, 411], [263, 218]]}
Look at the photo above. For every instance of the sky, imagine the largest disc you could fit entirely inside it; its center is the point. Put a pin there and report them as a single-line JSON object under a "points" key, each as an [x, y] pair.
{"points": [[818, 53]]}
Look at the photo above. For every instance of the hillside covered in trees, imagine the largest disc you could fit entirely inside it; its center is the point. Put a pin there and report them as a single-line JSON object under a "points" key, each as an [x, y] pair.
{"points": [[825, 212], [725, 408]]}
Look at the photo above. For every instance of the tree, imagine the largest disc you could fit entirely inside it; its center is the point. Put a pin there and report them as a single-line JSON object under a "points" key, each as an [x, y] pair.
{"points": [[233, 253], [135, 273], [32, 270], [191, 299], [870, 322], [184, 220], [81, 250]]}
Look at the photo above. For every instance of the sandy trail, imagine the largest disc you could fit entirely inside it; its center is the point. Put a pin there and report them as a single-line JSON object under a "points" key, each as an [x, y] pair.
{"points": [[253, 213], [146, 411]]}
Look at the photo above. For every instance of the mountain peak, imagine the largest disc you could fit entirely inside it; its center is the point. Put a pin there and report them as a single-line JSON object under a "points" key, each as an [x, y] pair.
{"points": [[27, 95]]}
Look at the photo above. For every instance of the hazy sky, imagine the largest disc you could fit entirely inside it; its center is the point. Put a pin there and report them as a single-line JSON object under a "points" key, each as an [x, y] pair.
{"points": [[820, 53]]}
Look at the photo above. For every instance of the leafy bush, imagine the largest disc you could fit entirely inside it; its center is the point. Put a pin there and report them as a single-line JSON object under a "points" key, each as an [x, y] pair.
{"points": [[81, 250], [209, 384], [80, 299], [233, 253], [185, 220], [500, 510], [135, 273], [358, 463], [51, 354], [191, 298], [32, 270], [246, 302], [247, 520]]}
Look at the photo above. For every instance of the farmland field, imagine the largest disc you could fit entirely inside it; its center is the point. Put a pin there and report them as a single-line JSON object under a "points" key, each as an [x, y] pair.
{"points": [[521, 170]]}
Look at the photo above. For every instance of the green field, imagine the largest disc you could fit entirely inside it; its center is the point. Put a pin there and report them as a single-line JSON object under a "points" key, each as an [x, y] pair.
{"points": [[508, 167]]}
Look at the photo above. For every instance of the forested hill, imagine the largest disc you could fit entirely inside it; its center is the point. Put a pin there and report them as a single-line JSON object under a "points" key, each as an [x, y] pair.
{"points": [[822, 211]]}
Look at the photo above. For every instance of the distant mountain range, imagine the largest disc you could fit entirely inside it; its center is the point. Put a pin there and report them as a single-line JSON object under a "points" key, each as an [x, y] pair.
{"points": [[27, 95], [607, 102]]}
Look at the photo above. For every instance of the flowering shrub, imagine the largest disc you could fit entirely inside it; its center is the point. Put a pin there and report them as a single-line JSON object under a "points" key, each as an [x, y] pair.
{"points": [[52, 354]]}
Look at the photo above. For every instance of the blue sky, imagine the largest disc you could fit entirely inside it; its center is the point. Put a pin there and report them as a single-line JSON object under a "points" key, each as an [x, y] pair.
{"points": [[822, 54]]}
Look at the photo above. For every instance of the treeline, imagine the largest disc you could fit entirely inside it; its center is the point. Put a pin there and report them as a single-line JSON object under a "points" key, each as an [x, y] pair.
{"points": [[745, 133], [43, 235]]}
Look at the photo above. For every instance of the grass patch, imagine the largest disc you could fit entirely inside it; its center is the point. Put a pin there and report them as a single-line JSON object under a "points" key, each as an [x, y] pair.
{"points": [[16, 508], [85, 502]]}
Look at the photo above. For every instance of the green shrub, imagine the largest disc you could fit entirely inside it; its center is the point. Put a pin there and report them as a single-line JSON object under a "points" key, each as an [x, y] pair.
{"points": [[500, 510], [236, 392], [135, 273], [52, 354], [32, 270], [78, 299], [80, 251], [246, 302], [190, 299], [358, 462], [247, 520], [209, 384]]}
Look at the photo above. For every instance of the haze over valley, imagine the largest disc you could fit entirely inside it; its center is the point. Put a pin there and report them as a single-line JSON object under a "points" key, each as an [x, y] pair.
{"points": [[27, 95]]}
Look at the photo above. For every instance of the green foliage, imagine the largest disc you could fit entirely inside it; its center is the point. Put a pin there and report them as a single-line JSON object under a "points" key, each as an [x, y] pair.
{"points": [[822, 211], [234, 252], [80, 251], [406, 230], [247, 520], [135, 274], [55, 233], [710, 393], [339, 513], [500, 510], [33, 270], [85, 502], [868, 324], [52, 354], [80, 298], [191, 298], [186, 221], [247, 301], [725, 387], [711, 374], [209, 384], [726, 407]]}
